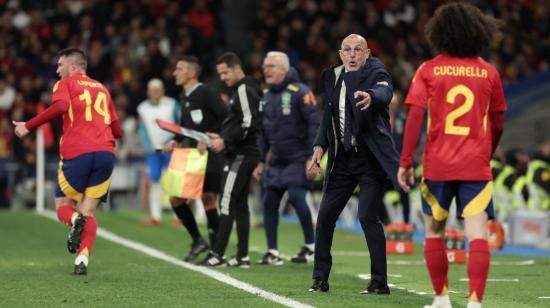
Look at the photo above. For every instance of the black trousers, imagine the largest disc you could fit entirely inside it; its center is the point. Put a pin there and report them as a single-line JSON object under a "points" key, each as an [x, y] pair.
{"points": [[358, 166], [233, 203]]}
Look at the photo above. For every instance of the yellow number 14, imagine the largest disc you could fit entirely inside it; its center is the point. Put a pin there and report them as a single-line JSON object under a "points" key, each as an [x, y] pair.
{"points": [[100, 106]]}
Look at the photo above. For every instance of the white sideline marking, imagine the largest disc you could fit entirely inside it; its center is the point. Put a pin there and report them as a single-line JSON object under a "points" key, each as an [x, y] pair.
{"points": [[343, 253], [405, 262], [203, 270], [495, 279], [394, 286], [367, 276], [514, 263], [418, 262], [339, 253], [544, 297], [350, 253]]}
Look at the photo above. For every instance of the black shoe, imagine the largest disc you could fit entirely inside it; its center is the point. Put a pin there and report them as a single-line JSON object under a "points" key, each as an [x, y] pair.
{"points": [[376, 288], [319, 286], [270, 259], [305, 255], [197, 248], [80, 269], [212, 259], [239, 262], [75, 235]]}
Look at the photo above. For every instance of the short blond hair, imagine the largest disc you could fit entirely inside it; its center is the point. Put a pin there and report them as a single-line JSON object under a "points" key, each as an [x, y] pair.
{"points": [[283, 57]]}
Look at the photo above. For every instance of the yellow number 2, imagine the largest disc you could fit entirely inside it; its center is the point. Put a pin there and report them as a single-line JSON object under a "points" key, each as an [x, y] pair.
{"points": [[450, 127], [100, 106]]}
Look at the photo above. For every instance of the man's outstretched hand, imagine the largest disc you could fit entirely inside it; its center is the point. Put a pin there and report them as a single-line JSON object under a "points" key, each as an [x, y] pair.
{"points": [[363, 99], [216, 142], [403, 175], [20, 129], [314, 166]]}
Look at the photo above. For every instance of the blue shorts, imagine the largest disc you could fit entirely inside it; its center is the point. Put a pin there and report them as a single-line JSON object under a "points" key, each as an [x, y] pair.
{"points": [[155, 163], [472, 198], [85, 175]]}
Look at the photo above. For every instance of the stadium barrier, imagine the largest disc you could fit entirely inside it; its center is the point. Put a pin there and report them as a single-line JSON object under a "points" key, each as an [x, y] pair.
{"points": [[399, 239], [529, 227], [496, 235], [455, 244]]}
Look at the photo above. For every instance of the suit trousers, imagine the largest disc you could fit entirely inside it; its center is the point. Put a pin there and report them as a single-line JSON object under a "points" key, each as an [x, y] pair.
{"points": [[355, 167]]}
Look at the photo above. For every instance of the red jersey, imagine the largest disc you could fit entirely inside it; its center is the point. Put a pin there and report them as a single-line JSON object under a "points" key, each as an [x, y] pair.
{"points": [[88, 116], [458, 94]]}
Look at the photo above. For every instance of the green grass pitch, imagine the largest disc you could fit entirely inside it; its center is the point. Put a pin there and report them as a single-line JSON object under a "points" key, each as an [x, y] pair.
{"points": [[35, 271]]}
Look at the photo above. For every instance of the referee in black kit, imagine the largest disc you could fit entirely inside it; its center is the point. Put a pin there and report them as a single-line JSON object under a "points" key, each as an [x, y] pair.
{"points": [[201, 110], [238, 139]]}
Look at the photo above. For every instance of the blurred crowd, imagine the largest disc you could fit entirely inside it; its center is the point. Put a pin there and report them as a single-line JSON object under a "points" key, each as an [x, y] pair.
{"points": [[310, 31], [130, 42]]}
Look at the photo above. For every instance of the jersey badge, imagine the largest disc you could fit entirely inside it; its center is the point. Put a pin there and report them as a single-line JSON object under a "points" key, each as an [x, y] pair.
{"points": [[285, 103], [196, 116]]}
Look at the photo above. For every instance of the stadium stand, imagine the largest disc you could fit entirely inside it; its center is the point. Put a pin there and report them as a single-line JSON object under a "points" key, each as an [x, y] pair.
{"points": [[130, 44]]}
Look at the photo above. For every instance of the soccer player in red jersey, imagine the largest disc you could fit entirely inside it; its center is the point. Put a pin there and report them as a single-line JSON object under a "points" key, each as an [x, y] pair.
{"points": [[465, 106], [90, 126]]}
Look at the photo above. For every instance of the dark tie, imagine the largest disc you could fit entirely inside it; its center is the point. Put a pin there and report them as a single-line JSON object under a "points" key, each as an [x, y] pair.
{"points": [[347, 126]]}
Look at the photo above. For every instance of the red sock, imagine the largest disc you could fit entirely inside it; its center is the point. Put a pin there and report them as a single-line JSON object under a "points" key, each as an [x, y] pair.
{"points": [[88, 236], [437, 263], [478, 268], [65, 214]]}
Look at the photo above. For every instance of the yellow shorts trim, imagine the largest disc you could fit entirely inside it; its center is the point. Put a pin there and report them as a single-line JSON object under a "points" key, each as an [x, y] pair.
{"points": [[438, 212], [480, 202], [98, 190], [66, 187]]}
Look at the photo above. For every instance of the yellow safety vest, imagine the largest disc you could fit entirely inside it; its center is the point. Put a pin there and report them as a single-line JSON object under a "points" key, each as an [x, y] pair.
{"points": [[503, 198], [518, 200], [495, 164], [538, 197]]}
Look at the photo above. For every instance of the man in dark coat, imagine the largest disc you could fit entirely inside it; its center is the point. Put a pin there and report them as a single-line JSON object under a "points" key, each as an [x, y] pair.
{"points": [[355, 130], [238, 141], [290, 123]]}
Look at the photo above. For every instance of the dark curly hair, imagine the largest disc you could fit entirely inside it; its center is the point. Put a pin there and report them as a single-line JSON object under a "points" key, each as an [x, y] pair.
{"points": [[461, 30]]}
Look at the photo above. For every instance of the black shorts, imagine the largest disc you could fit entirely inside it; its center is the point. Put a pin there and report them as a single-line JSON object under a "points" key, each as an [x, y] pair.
{"points": [[212, 182], [213, 176]]}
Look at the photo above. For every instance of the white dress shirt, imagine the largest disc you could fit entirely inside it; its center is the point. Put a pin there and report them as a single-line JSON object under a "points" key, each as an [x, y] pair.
{"points": [[342, 114]]}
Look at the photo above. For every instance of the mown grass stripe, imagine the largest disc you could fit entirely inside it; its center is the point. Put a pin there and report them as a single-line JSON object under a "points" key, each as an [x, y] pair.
{"points": [[203, 270]]}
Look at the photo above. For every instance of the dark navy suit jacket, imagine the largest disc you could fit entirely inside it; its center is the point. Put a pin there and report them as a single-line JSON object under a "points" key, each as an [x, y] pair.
{"points": [[371, 125], [290, 123]]}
